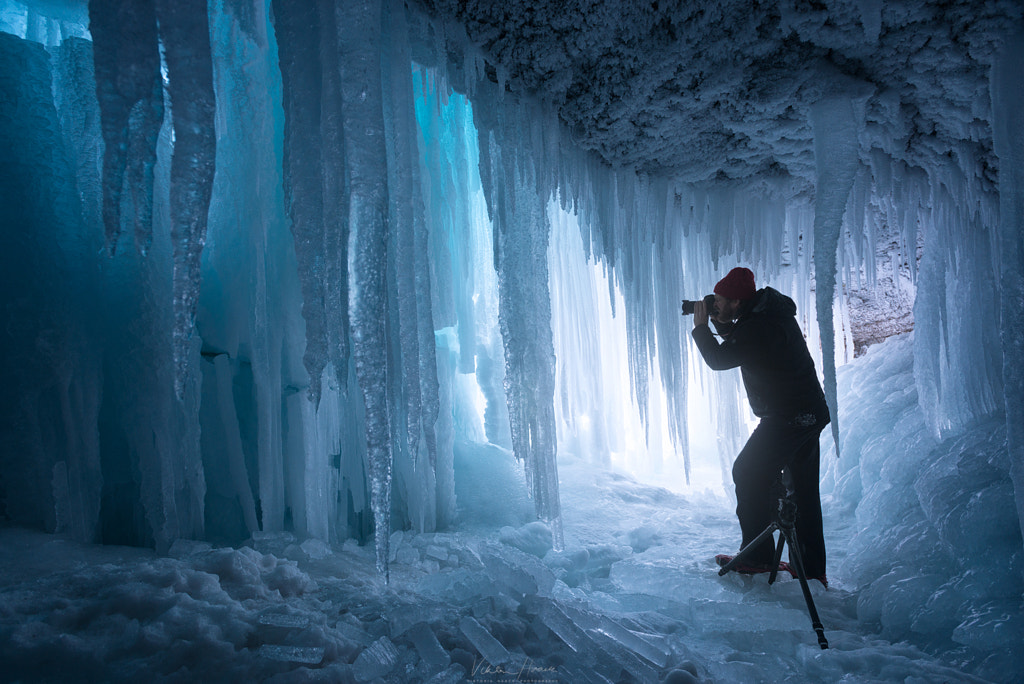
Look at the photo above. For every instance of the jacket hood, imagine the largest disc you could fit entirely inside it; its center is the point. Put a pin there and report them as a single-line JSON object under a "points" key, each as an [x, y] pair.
{"points": [[771, 302]]}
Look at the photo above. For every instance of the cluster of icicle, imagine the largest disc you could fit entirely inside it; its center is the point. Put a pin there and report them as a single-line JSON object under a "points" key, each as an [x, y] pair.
{"points": [[377, 175]]}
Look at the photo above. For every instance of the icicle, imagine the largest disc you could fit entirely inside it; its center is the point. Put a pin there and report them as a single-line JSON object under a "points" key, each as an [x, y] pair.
{"points": [[525, 314], [335, 199], [301, 75], [130, 93], [185, 34], [359, 35], [405, 213], [835, 123]]}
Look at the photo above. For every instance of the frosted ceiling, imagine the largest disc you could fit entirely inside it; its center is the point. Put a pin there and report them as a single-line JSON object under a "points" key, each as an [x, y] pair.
{"points": [[741, 76]]}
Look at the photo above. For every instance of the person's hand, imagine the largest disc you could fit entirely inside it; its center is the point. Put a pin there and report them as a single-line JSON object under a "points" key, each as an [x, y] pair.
{"points": [[700, 313]]}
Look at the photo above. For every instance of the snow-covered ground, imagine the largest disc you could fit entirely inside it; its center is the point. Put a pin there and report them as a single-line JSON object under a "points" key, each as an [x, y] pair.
{"points": [[635, 597]]}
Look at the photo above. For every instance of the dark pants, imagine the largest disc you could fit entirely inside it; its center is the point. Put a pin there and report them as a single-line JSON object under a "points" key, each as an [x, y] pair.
{"points": [[777, 444]]}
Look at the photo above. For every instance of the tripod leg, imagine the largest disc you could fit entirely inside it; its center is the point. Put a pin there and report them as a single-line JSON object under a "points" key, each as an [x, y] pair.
{"points": [[794, 552], [778, 557], [745, 551]]}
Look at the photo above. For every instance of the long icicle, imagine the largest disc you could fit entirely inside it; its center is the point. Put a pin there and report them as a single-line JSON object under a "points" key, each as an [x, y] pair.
{"points": [[359, 35]]}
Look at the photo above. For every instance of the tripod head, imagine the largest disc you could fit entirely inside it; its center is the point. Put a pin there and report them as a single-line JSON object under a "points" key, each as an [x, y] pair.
{"points": [[785, 511]]}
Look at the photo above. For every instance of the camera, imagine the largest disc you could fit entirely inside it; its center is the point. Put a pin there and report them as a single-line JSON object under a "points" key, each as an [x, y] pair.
{"points": [[709, 302]]}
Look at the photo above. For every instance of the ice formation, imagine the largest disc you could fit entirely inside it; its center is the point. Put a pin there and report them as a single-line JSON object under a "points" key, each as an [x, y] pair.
{"points": [[295, 268]]}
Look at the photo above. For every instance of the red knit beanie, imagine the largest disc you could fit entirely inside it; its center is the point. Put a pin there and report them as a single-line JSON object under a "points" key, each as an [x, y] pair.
{"points": [[737, 284]]}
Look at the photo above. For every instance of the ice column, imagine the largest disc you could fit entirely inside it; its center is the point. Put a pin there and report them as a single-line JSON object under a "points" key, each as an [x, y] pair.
{"points": [[314, 159], [957, 355], [359, 35], [464, 287], [412, 317], [521, 226], [1008, 132], [129, 88], [185, 34], [835, 122], [299, 55], [335, 199], [249, 304]]}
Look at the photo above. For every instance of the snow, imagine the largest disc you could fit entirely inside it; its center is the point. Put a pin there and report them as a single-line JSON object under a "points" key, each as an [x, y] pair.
{"points": [[635, 595]]}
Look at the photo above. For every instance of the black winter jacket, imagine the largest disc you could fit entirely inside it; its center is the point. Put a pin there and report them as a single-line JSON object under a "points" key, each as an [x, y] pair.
{"points": [[767, 345]]}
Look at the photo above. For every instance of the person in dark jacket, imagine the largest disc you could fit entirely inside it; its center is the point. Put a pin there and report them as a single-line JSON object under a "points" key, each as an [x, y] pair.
{"points": [[760, 336]]}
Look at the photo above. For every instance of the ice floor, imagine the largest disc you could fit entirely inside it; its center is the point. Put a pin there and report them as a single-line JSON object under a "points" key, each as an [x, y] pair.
{"points": [[635, 598]]}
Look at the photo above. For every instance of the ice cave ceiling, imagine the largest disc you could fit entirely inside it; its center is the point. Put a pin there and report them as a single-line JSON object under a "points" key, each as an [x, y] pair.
{"points": [[720, 91]]}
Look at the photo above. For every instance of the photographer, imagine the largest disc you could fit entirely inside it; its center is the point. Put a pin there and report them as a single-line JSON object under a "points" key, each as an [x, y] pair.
{"points": [[760, 335]]}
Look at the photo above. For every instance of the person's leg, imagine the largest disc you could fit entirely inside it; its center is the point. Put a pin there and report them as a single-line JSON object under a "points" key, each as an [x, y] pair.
{"points": [[804, 470], [756, 468], [775, 445]]}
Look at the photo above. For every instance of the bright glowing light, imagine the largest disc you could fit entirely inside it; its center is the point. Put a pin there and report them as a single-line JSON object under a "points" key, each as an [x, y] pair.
{"points": [[597, 411]]}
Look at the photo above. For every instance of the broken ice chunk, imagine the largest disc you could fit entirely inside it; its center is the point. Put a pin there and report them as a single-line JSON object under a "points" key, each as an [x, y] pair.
{"points": [[284, 620], [604, 625], [437, 552], [407, 555], [516, 573], [428, 646], [316, 549], [452, 675], [376, 661], [533, 538], [308, 655], [489, 647], [579, 630], [183, 548], [403, 616], [555, 620]]}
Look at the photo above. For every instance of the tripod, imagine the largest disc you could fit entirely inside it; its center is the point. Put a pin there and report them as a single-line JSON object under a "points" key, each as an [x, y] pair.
{"points": [[785, 522]]}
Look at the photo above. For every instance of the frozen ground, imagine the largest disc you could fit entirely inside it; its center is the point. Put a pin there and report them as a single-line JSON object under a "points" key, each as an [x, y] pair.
{"points": [[634, 598]]}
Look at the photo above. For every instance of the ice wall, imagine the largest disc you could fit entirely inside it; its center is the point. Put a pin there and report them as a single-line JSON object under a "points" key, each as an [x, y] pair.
{"points": [[1008, 132], [266, 356], [56, 407], [925, 510]]}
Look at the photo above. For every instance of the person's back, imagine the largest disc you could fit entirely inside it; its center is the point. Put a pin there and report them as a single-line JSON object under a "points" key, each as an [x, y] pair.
{"points": [[778, 371]]}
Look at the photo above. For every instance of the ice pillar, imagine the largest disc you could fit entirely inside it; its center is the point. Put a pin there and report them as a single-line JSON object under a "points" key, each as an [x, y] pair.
{"points": [[359, 36], [522, 233], [299, 56], [314, 179], [185, 35], [415, 387]]}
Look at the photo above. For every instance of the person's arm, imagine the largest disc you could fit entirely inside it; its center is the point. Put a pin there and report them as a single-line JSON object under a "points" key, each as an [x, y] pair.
{"points": [[718, 356], [724, 328]]}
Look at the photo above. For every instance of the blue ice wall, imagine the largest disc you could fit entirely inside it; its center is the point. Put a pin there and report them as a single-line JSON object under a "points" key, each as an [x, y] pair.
{"points": [[290, 339]]}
